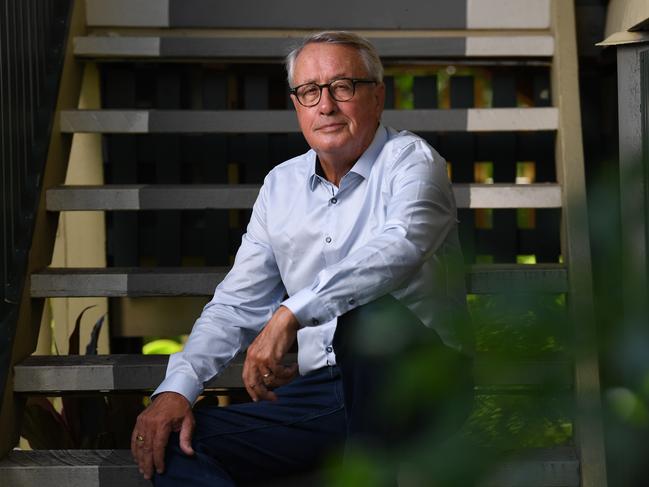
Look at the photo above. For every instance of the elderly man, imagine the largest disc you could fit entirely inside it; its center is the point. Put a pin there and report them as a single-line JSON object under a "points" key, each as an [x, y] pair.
{"points": [[360, 233]]}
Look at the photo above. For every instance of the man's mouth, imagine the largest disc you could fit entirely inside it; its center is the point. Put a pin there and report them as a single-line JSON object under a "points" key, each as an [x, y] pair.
{"points": [[330, 127]]}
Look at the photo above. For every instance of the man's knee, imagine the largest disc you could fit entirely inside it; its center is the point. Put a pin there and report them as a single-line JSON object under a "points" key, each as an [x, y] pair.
{"points": [[200, 469]]}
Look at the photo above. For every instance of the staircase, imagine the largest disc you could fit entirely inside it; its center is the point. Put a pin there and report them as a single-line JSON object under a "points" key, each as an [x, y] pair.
{"points": [[195, 112]]}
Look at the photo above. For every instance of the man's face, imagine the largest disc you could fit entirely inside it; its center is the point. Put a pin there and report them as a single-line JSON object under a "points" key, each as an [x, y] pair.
{"points": [[339, 132]]}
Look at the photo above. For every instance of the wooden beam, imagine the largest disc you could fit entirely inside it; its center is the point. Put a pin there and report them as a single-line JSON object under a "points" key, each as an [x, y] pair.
{"points": [[575, 239]]}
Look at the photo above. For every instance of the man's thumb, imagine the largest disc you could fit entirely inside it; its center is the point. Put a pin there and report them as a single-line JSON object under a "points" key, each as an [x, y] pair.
{"points": [[186, 432]]}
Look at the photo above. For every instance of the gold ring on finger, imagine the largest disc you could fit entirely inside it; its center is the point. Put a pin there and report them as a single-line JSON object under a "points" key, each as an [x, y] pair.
{"points": [[139, 438]]}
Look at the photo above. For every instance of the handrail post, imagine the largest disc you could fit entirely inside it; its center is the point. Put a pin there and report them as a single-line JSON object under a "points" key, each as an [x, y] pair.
{"points": [[589, 434]]}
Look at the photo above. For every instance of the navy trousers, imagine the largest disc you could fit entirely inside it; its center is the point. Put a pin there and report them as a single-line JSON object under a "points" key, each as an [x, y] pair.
{"points": [[317, 414]]}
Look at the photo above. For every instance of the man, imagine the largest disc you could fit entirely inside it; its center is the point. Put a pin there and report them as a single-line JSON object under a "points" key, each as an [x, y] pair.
{"points": [[362, 224]]}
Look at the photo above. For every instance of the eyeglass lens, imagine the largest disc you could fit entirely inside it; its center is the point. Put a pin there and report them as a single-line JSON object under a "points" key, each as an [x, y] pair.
{"points": [[340, 90]]}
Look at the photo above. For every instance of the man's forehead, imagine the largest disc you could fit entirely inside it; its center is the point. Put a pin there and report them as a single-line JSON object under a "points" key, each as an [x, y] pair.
{"points": [[336, 57]]}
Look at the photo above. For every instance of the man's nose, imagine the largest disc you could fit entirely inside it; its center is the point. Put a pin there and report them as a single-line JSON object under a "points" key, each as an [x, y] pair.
{"points": [[327, 104]]}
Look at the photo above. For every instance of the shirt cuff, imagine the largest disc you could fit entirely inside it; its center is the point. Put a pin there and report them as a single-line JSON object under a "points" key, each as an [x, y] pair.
{"points": [[308, 308], [180, 384]]}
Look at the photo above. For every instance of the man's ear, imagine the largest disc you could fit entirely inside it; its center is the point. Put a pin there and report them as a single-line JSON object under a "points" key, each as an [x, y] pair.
{"points": [[379, 97], [294, 100]]}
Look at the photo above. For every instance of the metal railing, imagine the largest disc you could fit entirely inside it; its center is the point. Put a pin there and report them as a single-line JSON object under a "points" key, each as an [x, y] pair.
{"points": [[32, 40]]}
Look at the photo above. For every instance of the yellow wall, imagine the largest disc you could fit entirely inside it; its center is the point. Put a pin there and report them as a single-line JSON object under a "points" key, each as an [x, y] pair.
{"points": [[80, 238]]}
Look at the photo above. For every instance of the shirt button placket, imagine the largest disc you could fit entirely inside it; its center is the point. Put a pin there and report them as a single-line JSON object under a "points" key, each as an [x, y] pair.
{"points": [[333, 201], [330, 227]]}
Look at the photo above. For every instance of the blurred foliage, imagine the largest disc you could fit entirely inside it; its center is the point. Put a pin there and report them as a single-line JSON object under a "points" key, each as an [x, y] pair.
{"points": [[520, 421], [513, 328], [622, 308], [519, 327], [521, 324], [404, 76]]}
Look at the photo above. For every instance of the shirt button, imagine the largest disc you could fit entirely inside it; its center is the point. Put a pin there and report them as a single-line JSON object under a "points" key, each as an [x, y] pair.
{"points": [[329, 349], [351, 301], [333, 201], [328, 239], [315, 321]]}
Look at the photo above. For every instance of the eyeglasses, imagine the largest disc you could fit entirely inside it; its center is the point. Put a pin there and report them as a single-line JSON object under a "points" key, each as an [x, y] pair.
{"points": [[341, 89]]}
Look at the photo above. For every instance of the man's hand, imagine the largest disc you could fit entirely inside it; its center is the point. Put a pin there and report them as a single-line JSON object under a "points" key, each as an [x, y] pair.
{"points": [[263, 369], [169, 412]]}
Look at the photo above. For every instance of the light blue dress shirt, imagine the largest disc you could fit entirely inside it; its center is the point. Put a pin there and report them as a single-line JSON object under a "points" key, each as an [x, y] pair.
{"points": [[390, 227]]}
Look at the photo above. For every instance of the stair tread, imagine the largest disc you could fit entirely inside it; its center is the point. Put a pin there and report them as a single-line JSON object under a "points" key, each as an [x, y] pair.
{"points": [[120, 372], [275, 48], [117, 372], [201, 281], [72, 468], [222, 196], [284, 121], [558, 466], [245, 14]]}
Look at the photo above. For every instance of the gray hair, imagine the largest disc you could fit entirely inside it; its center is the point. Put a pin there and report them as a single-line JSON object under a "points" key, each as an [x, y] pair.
{"points": [[367, 51]]}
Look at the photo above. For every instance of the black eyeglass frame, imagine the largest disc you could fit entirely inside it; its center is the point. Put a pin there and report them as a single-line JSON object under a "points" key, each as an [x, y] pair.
{"points": [[355, 81]]}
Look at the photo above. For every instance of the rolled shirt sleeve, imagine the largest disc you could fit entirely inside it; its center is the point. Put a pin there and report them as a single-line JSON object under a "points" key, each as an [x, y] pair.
{"points": [[240, 307]]}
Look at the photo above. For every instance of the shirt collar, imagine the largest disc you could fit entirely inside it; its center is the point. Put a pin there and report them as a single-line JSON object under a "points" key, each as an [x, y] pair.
{"points": [[363, 165]]}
